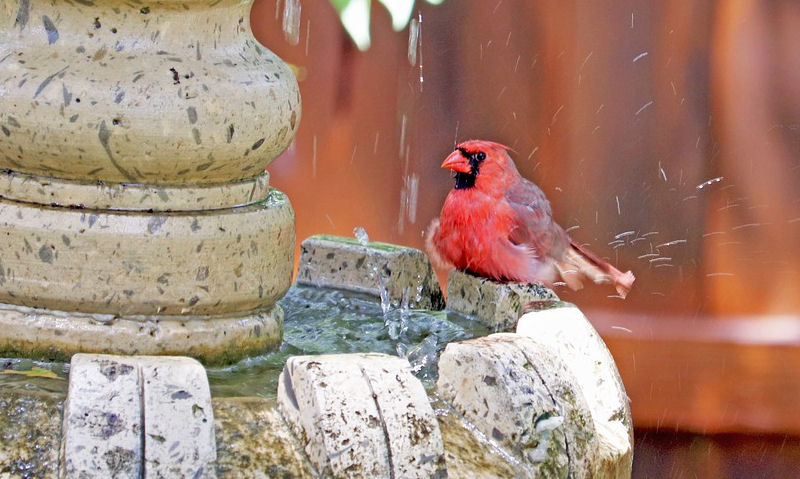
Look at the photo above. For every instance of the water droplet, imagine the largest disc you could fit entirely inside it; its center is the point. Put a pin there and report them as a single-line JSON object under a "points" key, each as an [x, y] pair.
{"points": [[361, 235], [413, 41], [709, 182], [291, 21]]}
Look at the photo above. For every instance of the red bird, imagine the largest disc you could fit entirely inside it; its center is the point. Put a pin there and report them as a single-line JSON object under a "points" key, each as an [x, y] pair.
{"points": [[499, 225]]}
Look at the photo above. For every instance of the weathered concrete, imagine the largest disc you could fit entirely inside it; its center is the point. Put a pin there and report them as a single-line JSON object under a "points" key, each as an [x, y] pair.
{"points": [[574, 413], [546, 402], [178, 419], [402, 275], [566, 333], [132, 93], [125, 263], [134, 143], [200, 284], [99, 195], [57, 335], [496, 304], [138, 416], [342, 410], [469, 454], [103, 418], [253, 440], [330, 407], [518, 395], [415, 441]]}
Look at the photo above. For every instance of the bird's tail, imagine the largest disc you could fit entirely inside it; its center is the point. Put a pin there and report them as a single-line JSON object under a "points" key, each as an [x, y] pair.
{"points": [[579, 264]]}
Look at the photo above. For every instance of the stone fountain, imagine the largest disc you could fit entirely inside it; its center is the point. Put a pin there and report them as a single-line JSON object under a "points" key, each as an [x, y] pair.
{"points": [[142, 238], [135, 209]]}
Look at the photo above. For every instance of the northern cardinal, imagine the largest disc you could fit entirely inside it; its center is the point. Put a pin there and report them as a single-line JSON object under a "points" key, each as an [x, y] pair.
{"points": [[499, 225]]}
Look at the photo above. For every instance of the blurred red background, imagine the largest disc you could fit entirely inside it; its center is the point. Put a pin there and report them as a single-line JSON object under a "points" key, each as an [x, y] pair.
{"points": [[666, 135]]}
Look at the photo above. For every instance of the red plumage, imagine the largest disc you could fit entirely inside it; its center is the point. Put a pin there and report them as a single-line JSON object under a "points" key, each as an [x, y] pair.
{"points": [[499, 225]]}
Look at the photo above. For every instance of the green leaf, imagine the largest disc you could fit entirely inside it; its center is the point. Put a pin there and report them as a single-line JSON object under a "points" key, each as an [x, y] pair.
{"points": [[354, 15], [400, 10]]}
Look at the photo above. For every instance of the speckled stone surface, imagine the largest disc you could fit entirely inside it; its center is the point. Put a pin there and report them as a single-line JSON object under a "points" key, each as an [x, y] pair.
{"points": [[470, 456], [253, 440], [404, 274], [178, 439], [496, 304], [30, 433], [133, 142], [361, 415], [523, 398], [165, 92], [99, 195], [415, 441], [124, 263], [329, 406], [138, 416], [103, 418], [214, 340], [575, 417], [566, 332]]}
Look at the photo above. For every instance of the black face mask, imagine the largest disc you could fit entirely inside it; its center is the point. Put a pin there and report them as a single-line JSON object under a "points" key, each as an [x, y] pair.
{"points": [[467, 180]]}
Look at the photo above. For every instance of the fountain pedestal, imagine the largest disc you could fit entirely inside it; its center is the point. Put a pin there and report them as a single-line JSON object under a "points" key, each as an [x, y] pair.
{"points": [[135, 209]]}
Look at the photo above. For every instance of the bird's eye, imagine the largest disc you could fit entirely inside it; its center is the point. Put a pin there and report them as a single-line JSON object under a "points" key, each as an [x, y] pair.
{"points": [[480, 156]]}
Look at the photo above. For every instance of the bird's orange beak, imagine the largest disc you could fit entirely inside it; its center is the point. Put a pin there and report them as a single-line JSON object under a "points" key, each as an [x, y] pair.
{"points": [[457, 162]]}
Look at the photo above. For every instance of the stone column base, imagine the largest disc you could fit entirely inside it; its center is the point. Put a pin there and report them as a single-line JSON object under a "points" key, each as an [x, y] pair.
{"points": [[57, 335], [113, 268]]}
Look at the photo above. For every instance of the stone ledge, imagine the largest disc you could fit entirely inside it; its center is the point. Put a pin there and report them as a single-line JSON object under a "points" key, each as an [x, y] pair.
{"points": [[565, 332], [361, 415], [179, 438], [522, 397], [496, 304], [403, 275], [137, 416]]}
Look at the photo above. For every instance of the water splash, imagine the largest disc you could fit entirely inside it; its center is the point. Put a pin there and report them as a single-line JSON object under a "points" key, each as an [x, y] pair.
{"points": [[409, 196], [314, 157], [291, 21], [361, 235], [544, 429], [413, 41], [671, 243], [421, 356], [374, 272], [710, 182], [402, 135], [386, 300], [419, 36], [644, 107], [624, 234]]}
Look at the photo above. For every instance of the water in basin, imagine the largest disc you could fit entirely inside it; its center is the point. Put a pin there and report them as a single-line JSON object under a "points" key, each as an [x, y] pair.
{"points": [[322, 320]]}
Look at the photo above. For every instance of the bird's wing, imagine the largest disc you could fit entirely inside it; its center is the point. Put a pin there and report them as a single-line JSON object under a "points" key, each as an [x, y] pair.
{"points": [[432, 240], [533, 222]]}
